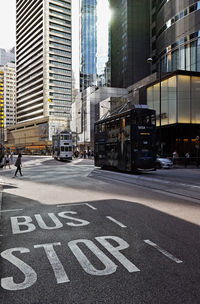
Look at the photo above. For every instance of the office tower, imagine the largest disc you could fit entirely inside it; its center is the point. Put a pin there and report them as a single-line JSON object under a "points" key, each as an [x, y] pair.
{"points": [[43, 62], [1, 107], [175, 50], [7, 56], [90, 42], [130, 41], [175, 35], [9, 94]]}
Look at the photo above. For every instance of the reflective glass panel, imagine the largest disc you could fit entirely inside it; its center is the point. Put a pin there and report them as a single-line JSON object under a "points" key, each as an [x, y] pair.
{"points": [[183, 99], [195, 92]]}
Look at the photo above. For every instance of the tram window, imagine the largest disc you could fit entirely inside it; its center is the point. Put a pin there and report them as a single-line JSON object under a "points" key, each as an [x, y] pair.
{"points": [[96, 128], [66, 149], [70, 148], [148, 120], [61, 137], [153, 119], [101, 148], [103, 127], [62, 149], [66, 137]]}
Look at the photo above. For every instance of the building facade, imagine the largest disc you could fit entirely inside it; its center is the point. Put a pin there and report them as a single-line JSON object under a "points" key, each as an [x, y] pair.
{"points": [[43, 62], [7, 56], [175, 53], [90, 43], [1, 108], [85, 111], [175, 35], [9, 94], [130, 41]]}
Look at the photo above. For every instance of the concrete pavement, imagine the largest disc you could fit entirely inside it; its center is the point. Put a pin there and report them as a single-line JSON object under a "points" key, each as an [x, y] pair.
{"points": [[48, 181]]}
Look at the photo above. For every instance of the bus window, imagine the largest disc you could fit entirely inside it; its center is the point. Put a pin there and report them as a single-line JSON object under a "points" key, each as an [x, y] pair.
{"points": [[66, 149], [62, 149], [70, 148], [66, 137]]}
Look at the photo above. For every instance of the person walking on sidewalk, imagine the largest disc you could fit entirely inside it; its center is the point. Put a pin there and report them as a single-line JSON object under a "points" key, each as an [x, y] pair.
{"points": [[7, 161], [187, 159], [18, 164]]}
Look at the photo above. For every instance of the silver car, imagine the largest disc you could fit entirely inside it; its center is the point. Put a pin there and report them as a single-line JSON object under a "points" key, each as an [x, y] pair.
{"points": [[165, 163]]}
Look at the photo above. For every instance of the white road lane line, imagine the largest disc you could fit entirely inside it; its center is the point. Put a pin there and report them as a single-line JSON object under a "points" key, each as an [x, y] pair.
{"points": [[163, 251], [74, 204], [92, 207], [59, 206], [116, 222], [10, 210]]}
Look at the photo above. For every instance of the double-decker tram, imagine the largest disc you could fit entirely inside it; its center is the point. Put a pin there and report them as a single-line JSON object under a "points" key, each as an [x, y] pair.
{"points": [[126, 140], [62, 146]]}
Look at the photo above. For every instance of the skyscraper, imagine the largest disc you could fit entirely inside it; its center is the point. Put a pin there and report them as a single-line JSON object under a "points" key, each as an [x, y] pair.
{"points": [[91, 45], [9, 94], [130, 41], [1, 106], [43, 62], [175, 35]]}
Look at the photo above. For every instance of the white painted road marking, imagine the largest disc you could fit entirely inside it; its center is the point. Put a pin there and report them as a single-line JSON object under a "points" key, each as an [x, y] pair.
{"points": [[77, 204], [92, 207], [10, 210], [109, 266], [26, 221], [163, 251], [30, 276], [74, 204], [58, 269], [116, 222], [115, 251]]}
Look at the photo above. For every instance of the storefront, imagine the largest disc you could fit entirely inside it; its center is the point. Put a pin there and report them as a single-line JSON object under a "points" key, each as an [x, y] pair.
{"points": [[178, 111]]}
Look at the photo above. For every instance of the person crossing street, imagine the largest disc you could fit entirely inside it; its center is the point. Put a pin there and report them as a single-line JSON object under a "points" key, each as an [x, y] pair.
{"points": [[18, 164]]}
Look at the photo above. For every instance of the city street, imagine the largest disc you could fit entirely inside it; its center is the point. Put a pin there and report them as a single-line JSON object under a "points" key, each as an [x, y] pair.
{"points": [[72, 233]]}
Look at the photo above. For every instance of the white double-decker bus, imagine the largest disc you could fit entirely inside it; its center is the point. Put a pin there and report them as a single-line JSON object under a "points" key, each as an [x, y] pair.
{"points": [[62, 146]]}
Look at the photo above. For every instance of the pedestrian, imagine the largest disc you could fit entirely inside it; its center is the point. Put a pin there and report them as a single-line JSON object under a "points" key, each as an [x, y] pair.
{"points": [[7, 161], [11, 156], [18, 164], [84, 153], [187, 159], [2, 161], [174, 156]]}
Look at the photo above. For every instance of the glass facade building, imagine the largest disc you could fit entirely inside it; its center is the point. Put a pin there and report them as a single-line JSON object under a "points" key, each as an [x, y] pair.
{"points": [[130, 41], [179, 99], [94, 40], [175, 35]]}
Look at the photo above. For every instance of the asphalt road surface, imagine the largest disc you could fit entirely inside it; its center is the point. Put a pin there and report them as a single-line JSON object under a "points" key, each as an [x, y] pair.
{"points": [[75, 248]]}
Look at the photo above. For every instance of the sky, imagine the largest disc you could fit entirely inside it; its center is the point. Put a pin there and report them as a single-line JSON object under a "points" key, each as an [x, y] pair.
{"points": [[7, 24]]}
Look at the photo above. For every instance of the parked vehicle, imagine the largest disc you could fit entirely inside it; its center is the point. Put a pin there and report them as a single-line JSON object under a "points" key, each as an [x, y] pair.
{"points": [[165, 163]]}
